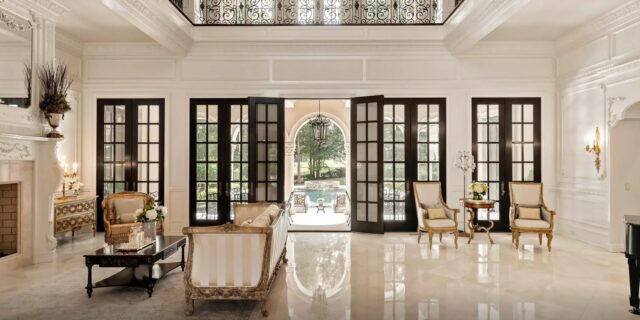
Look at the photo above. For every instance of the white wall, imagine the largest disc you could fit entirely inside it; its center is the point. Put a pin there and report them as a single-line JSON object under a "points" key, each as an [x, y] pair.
{"points": [[596, 63], [313, 69]]}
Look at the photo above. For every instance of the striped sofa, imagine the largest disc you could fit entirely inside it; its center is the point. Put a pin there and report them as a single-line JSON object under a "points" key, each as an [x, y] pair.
{"points": [[236, 261]]}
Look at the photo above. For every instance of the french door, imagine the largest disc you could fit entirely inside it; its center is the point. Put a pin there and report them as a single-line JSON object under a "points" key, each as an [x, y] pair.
{"points": [[235, 149], [506, 146], [397, 141], [130, 148]]}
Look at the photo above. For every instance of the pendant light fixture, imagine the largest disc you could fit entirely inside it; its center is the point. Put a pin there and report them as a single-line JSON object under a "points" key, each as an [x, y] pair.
{"points": [[320, 125]]}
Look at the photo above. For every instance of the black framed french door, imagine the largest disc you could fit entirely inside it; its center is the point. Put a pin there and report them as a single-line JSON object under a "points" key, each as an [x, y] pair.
{"points": [[506, 145], [414, 149], [235, 147], [130, 148], [366, 164]]}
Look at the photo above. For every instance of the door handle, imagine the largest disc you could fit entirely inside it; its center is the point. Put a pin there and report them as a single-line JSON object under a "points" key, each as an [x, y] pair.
{"points": [[502, 190]]}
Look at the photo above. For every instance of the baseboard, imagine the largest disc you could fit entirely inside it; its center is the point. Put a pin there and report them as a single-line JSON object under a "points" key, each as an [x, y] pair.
{"points": [[591, 234]]}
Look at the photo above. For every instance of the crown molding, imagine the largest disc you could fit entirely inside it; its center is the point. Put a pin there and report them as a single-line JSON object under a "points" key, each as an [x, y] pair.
{"points": [[601, 26], [159, 20], [476, 19], [26, 9]]}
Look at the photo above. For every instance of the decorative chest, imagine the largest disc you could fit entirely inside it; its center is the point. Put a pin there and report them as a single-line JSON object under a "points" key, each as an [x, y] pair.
{"points": [[73, 213]]}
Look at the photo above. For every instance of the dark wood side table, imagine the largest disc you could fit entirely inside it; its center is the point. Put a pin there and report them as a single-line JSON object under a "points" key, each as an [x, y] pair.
{"points": [[471, 206], [148, 257]]}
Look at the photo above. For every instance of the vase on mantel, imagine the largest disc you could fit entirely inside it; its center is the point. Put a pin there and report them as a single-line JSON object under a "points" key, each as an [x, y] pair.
{"points": [[54, 120], [149, 229]]}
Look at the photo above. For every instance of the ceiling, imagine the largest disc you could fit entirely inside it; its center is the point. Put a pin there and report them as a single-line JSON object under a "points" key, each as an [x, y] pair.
{"points": [[92, 21], [550, 19]]}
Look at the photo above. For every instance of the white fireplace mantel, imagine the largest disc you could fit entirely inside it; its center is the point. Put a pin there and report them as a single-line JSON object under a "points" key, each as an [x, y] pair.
{"points": [[47, 176]]}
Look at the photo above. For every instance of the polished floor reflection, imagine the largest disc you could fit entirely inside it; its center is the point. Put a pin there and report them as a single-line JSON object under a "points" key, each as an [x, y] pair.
{"points": [[355, 276]]}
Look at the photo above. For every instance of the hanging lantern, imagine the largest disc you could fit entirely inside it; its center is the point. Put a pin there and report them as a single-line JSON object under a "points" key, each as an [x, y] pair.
{"points": [[320, 125]]}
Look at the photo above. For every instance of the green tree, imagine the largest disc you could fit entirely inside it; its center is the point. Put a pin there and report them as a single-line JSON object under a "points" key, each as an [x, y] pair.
{"points": [[316, 154]]}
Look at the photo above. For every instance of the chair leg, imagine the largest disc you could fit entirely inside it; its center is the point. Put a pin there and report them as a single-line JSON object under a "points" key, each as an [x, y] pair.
{"points": [[540, 238], [440, 234], [263, 308], [430, 239], [189, 307], [549, 238], [517, 236], [455, 238], [419, 234]]}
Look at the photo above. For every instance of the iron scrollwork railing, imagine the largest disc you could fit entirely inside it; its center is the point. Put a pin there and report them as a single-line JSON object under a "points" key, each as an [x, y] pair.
{"points": [[313, 12]]}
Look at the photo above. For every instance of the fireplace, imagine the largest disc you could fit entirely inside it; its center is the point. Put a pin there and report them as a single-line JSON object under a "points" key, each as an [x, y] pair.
{"points": [[8, 219]]}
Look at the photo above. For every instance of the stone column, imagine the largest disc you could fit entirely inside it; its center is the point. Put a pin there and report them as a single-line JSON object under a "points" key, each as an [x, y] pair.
{"points": [[289, 172]]}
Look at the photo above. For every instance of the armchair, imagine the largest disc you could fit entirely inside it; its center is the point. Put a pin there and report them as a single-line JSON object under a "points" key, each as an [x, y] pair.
{"points": [[118, 214], [300, 203], [429, 195], [529, 194], [341, 203]]}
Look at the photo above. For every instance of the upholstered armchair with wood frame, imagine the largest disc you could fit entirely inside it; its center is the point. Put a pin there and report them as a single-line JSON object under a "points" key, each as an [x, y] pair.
{"points": [[528, 212], [434, 216], [300, 203], [119, 214]]}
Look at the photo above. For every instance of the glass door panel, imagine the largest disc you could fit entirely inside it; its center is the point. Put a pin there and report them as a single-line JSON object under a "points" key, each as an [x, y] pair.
{"points": [[266, 115], [205, 170], [488, 154], [366, 184], [239, 155], [394, 176]]}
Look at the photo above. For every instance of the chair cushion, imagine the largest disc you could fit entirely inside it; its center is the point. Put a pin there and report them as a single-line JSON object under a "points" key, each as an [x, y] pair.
{"points": [[531, 224], [529, 213], [126, 209], [436, 213], [440, 223]]}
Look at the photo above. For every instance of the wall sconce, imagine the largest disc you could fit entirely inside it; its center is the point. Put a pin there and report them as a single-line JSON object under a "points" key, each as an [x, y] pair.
{"points": [[594, 148]]}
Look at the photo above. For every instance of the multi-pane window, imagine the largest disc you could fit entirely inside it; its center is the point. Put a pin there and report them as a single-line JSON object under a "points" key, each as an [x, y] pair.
{"points": [[207, 186], [114, 149], [428, 142], [149, 149], [239, 144], [267, 151], [366, 154], [393, 157], [522, 142], [488, 155]]}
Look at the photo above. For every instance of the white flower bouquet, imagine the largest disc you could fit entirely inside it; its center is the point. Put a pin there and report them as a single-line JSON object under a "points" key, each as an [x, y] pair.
{"points": [[152, 212], [478, 190]]}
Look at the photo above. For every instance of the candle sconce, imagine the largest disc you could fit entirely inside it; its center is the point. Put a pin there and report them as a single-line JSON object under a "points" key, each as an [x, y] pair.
{"points": [[594, 148]]}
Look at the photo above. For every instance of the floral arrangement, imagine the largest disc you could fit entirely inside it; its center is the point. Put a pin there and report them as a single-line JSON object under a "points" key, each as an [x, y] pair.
{"points": [[151, 212], [71, 183], [478, 190]]}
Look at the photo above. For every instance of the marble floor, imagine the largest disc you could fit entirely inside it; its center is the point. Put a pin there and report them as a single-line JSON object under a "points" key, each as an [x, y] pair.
{"points": [[355, 276]]}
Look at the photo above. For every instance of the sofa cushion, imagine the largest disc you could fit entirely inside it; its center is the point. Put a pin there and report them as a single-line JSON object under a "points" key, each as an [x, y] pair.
{"points": [[261, 221], [273, 211], [126, 209], [440, 223], [529, 212], [531, 224]]}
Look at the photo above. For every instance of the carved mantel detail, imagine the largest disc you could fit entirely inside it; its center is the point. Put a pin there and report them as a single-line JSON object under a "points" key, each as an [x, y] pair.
{"points": [[15, 151]]}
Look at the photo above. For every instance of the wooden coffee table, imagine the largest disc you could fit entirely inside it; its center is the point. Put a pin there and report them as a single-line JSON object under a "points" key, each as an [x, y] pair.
{"points": [[148, 257]]}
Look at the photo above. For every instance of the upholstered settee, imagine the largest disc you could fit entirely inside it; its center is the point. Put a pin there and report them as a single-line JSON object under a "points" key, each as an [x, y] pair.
{"points": [[118, 214], [236, 261]]}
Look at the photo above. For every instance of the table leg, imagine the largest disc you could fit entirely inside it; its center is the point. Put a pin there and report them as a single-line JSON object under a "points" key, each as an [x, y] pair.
{"points": [[150, 281], [472, 226], [89, 286], [488, 231], [182, 261]]}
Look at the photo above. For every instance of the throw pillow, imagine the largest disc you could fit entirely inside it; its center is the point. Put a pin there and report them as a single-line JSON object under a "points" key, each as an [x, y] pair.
{"points": [[529, 213], [246, 223], [126, 209], [262, 221], [436, 213], [273, 211]]}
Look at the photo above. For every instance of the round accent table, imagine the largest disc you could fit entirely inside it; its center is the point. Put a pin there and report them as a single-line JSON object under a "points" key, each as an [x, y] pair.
{"points": [[471, 206]]}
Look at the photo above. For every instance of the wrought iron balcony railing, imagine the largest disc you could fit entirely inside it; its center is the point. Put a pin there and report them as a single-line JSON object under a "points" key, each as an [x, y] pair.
{"points": [[317, 12]]}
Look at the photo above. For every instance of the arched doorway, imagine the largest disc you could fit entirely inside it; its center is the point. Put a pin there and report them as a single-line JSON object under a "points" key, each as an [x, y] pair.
{"points": [[318, 172], [624, 169]]}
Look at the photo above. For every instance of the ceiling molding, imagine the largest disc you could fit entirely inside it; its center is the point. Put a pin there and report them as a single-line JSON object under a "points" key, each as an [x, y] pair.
{"points": [[159, 20], [47, 9], [476, 19], [68, 44], [615, 19]]}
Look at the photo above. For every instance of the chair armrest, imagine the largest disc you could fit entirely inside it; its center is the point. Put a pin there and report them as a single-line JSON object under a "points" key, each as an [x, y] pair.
{"points": [[452, 213], [547, 215], [512, 214]]}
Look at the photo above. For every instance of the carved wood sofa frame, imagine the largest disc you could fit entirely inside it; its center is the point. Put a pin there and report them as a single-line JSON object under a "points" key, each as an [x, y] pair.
{"points": [[260, 292]]}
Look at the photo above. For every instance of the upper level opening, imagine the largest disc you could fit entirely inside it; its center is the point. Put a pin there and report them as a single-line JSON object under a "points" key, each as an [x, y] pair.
{"points": [[316, 12]]}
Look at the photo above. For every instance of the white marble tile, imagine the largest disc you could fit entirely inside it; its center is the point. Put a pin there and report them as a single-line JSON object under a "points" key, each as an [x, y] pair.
{"points": [[355, 276]]}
